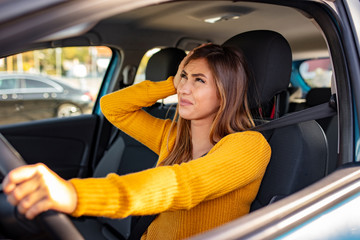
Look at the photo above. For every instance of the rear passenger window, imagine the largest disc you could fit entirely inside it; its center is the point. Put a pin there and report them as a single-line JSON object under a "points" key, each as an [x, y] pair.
{"points": [[47, 83], [308, 75], [8, 84], [317, 72], [36, 84]]}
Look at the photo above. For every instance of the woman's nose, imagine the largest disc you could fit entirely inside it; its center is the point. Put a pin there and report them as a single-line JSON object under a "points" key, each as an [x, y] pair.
{"points": [[184, 87]]}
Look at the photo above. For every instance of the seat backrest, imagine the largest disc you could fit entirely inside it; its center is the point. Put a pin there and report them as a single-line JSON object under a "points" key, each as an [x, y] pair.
{"points": [[299, 152], [299, 157], [318, 96]]}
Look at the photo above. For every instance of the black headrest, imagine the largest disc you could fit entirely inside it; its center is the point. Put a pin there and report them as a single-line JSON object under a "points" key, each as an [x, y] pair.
{"points": [[269, 58], [163, 64], [318, 96]]}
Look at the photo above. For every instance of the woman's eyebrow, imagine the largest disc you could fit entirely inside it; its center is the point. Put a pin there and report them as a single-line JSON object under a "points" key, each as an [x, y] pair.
{"points": [[194, 74], [198, 75]]}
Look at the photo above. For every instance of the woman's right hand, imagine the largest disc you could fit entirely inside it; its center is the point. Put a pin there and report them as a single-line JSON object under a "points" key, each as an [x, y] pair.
{"points": [[35, 189]]}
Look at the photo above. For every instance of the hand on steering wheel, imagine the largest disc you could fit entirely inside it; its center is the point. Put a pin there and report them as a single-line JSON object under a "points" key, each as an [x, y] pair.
{"points": [[56, 224], [35, 189]]}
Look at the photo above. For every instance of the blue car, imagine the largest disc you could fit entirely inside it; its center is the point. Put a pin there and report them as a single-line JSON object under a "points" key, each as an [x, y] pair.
{"points": [[305, 59]]}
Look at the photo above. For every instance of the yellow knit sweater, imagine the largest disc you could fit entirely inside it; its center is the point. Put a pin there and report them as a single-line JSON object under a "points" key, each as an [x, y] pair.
{"points": [[192, 197]]}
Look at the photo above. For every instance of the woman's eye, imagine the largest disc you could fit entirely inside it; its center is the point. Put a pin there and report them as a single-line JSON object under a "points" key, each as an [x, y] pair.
{"points": [[200, 80], [182, 75]]}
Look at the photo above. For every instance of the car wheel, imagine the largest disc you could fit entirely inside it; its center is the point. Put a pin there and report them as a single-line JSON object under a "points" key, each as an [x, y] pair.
{"points": [[68, 109]]}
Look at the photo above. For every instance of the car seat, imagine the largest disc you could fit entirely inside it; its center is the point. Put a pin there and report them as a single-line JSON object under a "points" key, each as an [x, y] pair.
{"points": [[299, 152], [318, 96]]}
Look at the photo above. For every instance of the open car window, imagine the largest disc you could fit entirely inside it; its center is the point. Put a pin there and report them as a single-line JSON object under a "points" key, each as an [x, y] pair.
{"points": [[47, 83]]}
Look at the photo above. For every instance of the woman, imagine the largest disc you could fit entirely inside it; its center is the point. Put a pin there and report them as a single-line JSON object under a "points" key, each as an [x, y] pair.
{"points": [[209, 169]]}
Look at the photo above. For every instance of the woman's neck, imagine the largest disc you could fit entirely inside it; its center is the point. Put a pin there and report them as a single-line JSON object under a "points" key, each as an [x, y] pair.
{"points": [[200, 132]]}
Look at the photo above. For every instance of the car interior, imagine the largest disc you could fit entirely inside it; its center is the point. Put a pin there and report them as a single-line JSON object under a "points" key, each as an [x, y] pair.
{"points": [[273, 37]]}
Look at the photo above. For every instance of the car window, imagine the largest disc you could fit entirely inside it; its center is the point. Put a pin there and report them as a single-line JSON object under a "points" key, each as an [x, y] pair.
{"points": [[29, 83], [55, 82], [307, 75], [316, 72], [6, 84]]}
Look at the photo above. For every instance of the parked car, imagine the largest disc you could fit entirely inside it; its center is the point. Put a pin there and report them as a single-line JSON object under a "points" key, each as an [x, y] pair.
{"points": [[27, 97], [311, 187]]}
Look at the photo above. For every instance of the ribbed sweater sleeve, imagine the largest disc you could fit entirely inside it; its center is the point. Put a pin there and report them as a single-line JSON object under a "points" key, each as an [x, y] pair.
{"points": [[236, 161], [123, 109]]}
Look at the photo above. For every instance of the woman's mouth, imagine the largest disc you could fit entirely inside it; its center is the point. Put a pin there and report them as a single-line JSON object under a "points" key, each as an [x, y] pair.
{"points": [[185, 102]]}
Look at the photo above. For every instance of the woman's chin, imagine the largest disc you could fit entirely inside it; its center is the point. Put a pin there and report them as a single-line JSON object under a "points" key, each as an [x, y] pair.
{"points": [[185, 115]]}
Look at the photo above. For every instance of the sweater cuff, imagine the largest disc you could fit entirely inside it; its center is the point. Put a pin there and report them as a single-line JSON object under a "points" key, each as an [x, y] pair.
{"points": [[96, 195]]}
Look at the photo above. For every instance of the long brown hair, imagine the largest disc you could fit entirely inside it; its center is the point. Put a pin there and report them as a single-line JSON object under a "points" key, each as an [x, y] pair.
{"points": [[230, 72]]}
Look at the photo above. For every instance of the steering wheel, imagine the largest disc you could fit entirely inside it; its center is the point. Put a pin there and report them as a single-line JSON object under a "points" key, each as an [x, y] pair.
{"points": [[58, 225]]}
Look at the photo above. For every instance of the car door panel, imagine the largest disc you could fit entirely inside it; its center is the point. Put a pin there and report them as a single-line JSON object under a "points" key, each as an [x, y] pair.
{"points": [[63, 144], [38, 108], [10, 109]]}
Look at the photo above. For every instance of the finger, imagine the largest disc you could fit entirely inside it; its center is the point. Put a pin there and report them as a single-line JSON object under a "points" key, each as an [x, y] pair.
{"points": [[200, 46], [205, 44], [22, 190], [30, 200], [19, 175], [7, 186], [41, 206]]}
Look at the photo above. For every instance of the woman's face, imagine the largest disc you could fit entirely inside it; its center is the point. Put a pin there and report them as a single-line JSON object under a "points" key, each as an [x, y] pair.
{"points": [[197, 93]]}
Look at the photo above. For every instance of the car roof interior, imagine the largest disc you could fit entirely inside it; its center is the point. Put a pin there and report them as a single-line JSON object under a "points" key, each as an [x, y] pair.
{"points": [[183, 23], [186, 24]]}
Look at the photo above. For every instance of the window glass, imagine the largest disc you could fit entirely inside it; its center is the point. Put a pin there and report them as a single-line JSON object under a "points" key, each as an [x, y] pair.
{"points": [[8, 84], [47, 83], [36, 84], [316, 72]]}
